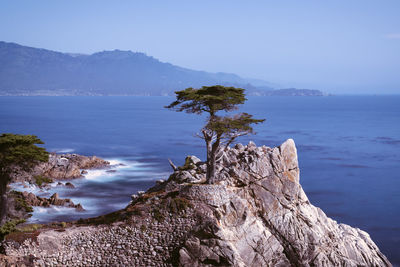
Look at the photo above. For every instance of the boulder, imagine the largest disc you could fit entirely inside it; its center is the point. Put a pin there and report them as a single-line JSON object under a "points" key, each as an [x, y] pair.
{"points": [[69, 185]]}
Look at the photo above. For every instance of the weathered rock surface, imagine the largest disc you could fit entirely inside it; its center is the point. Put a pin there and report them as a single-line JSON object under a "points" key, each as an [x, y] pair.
{"points": [[61, 166], [257, 214], [264, 218]]}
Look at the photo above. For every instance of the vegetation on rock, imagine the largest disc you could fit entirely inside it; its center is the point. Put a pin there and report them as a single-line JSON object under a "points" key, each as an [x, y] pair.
{"points": [[40, 180], [9, 227], [17, 151]]}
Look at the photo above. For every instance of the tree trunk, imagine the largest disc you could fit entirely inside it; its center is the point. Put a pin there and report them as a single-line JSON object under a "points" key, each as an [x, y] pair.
{"points": [[211, 160], [3, 199], [211, 169], [209, 148]]}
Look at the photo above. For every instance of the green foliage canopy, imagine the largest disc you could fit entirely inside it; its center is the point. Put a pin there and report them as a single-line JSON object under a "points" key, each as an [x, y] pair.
{"points": [[20, 150], [17, 151], [210, 99]]}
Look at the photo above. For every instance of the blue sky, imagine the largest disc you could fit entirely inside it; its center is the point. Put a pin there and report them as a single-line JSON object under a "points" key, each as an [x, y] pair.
{"points": [[337, 46]]}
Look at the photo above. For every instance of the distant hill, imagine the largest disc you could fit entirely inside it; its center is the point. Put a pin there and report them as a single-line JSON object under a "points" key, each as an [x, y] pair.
{"points": [[294, 92], [32, 71]]}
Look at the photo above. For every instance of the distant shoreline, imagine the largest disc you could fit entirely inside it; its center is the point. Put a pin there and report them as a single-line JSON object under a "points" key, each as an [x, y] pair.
{"points": [[278, 92]]}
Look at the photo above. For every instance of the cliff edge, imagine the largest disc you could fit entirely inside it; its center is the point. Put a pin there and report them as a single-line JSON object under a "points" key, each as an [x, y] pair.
{"points": [[257, 214]]}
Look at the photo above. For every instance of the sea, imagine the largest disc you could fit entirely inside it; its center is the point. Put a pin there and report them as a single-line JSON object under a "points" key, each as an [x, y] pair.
{"points": [[348, 150]]}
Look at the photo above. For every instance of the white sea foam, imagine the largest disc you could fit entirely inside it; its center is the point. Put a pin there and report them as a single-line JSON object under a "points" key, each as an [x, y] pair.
{"points": [[53, 210], [45, 214], [122, 164], [24, 186], [116, 165], [96, 174], [118, 170], [63, 150], [116, 162]]}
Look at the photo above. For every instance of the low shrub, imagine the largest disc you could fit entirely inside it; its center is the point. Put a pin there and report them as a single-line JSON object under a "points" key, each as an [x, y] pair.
{"points": [[29, 227], [187, 166], [40, 180], [9, 227], [158, 215]]}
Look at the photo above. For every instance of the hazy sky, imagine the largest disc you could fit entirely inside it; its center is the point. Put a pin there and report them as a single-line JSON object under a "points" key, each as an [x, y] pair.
{"points": [[337, 46]]}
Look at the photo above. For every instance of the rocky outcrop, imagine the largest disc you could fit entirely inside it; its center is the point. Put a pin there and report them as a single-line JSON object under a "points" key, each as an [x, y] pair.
{"points": [[61, 167], [33, 200], [257, 214], [262, 217], [21, 203]]}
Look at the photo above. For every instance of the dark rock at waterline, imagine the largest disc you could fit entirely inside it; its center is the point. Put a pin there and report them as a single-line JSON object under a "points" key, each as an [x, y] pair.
{"points": [[111, 171], [78, 207], [33, 200], [20, 204], [69, 185]]}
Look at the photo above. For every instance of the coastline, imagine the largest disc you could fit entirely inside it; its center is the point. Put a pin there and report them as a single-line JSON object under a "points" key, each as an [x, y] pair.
{"points": [[353, 135], [38, 191], [256, 214]]}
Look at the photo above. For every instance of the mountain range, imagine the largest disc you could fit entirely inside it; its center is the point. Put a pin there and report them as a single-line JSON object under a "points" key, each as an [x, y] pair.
{"points": [[33, 71]]}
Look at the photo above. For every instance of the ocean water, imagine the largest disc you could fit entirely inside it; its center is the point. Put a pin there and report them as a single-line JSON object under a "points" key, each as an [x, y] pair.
{"points": [[348, 148]]}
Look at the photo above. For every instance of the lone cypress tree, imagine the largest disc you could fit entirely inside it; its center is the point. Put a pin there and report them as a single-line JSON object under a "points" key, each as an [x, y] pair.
{"points": [[17, 151], [219, 131]]}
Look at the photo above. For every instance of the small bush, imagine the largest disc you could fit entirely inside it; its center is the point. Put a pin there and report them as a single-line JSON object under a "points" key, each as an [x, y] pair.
{"points": [[187, 166], [9, 227], [158, 215], [176, 205], [40, 180], [29, 227], [108, 218]]}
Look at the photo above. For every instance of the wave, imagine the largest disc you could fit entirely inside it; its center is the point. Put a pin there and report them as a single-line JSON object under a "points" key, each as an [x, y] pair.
{"points": [[55, 213], [122, 172], [63, 150], [107, 174]]}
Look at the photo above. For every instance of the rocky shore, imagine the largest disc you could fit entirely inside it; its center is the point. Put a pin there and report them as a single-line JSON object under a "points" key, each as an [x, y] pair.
{"points": [[257, 214], [59, 167]]}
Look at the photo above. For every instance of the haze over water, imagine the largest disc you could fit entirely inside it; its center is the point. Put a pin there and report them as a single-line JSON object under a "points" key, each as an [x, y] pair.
{"points": [[348, 148]]}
